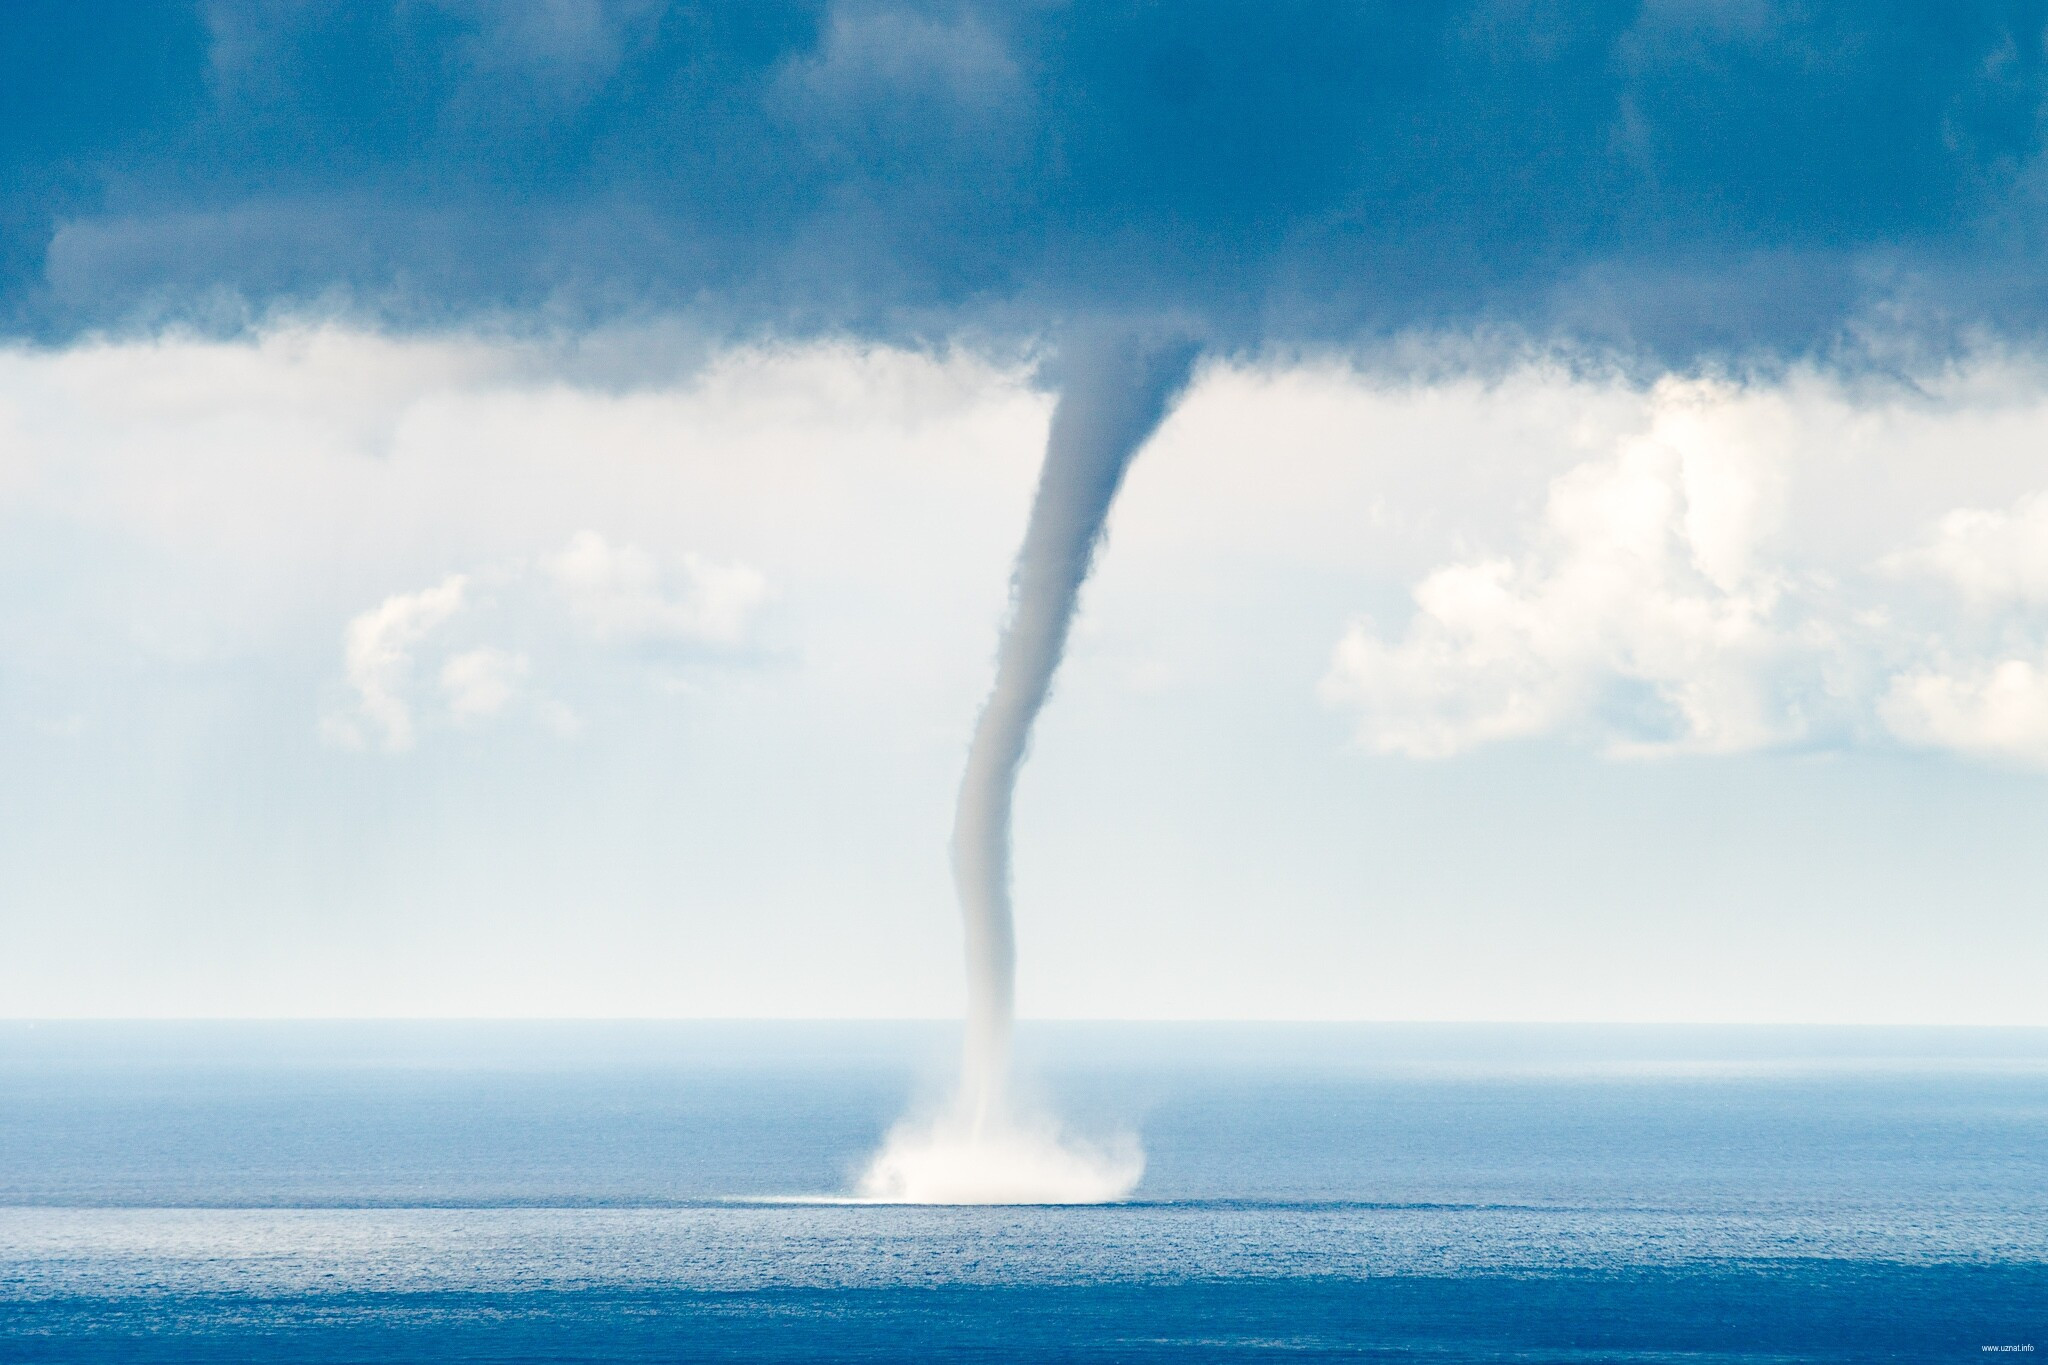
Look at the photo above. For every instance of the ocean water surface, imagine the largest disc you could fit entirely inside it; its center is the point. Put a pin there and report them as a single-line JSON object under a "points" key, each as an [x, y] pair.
{"points": [[581, 1192]]}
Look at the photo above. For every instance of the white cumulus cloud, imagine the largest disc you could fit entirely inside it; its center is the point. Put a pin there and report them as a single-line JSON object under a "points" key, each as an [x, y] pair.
{"points": [[1993, 709], [622, 592], [1740, 571], [1640, 606], [1992, 556], [377, 656], [616, 593], [479, 682]]}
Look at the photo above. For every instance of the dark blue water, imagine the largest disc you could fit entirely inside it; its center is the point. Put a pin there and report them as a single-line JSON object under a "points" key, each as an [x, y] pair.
{"points": [[616, 1192]]}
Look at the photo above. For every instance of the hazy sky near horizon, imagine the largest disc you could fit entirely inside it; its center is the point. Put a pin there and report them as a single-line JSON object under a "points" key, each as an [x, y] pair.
{"points": [[505, 508], [352, 673]]}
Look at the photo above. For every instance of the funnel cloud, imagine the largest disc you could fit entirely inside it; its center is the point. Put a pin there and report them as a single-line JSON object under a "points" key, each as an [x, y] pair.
{"points": [[1116, 388], [983, 1148]]}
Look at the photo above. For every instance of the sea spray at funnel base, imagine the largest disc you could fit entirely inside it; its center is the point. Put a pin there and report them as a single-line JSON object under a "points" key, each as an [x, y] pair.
{"points": [[1115, 389], [967, 1155]]}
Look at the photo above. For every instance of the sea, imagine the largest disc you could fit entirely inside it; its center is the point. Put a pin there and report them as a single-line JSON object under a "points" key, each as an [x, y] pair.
{"points": [[655, 1191]]}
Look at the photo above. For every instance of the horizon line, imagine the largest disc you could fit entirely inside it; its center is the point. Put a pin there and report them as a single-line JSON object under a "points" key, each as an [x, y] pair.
{"points": [[956, 1022]]}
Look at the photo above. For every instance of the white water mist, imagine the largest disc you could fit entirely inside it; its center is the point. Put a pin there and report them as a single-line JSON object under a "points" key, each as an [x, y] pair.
{"points": [[1114, 390]]}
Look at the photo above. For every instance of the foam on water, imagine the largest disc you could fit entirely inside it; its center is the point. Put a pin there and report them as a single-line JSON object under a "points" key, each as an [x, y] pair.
{"points": [[968, 1155]]}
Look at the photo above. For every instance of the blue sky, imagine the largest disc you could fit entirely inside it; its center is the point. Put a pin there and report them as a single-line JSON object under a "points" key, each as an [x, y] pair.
{"points": [[506, 510]]}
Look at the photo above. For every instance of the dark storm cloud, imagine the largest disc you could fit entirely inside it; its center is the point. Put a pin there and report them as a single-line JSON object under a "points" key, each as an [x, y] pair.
{"points": [[1675, 175]]}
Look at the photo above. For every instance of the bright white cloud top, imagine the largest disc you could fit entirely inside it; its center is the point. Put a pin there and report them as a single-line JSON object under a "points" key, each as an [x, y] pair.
{"points": [[1719, 579], [675, 662]]}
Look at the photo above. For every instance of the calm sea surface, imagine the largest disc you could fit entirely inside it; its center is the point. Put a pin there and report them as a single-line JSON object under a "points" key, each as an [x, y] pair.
{"points": [[453, 1192]]}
